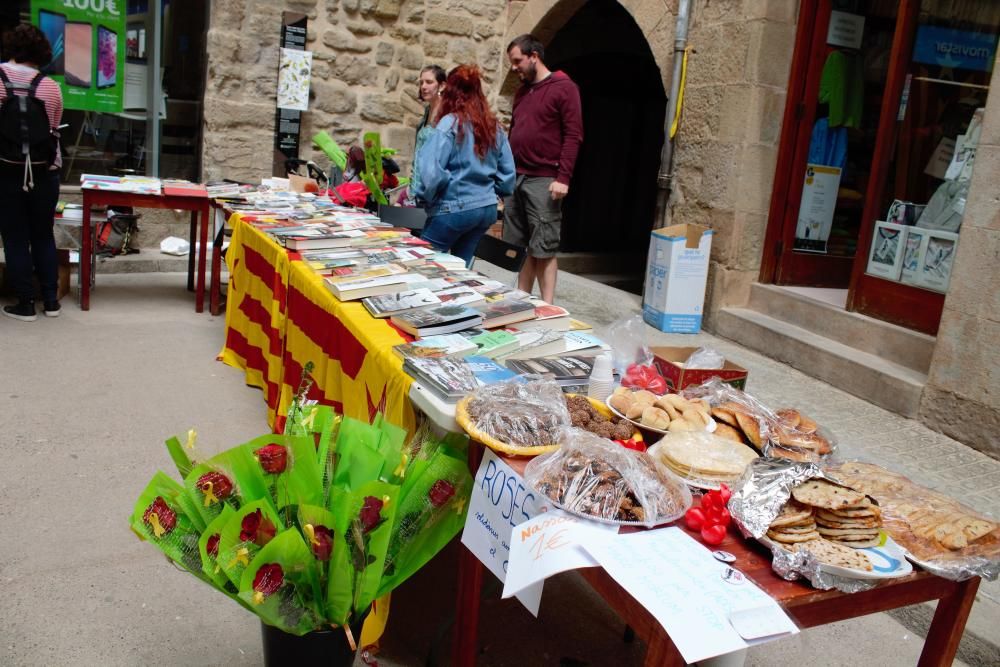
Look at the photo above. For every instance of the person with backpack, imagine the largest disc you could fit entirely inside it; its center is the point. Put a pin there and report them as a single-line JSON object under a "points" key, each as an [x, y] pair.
{"points": [[30, 111]]}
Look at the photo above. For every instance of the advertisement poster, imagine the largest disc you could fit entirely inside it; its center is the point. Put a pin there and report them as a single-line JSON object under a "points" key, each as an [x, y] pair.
{"points": [[88, 50], [294, 72], [819, 199]]}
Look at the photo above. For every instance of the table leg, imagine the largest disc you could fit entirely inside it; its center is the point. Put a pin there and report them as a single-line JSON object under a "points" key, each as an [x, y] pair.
{"points": [[948, 625], [465, 640], [192, 238], [86, 250], [202, 254], [215, 287]]}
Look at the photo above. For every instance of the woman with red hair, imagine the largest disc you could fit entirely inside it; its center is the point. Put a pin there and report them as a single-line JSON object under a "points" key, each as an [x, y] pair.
{"points": [[464, 165]]}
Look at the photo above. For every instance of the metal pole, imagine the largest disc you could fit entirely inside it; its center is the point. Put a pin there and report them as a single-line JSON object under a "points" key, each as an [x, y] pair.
{"points": [[665, 177], [154, 85]]}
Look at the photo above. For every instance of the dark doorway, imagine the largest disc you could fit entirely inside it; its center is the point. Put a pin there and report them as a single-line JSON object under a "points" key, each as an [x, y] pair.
{"points": [[612, 198]]}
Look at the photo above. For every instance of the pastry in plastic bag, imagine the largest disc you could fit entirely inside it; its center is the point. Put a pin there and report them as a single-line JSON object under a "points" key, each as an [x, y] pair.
{"points": [[703, 459], [597, 479], [519, 418]]}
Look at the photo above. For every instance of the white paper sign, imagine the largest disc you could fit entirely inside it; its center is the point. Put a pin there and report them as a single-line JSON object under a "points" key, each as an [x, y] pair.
{"points": [[501, 500], [845, 30], [682, 586], [294, 74], [548, 544], [819, 199]]}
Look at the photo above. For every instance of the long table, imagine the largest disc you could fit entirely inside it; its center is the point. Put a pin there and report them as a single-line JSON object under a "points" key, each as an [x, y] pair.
{"points": [[807, 606], [279, 317]]}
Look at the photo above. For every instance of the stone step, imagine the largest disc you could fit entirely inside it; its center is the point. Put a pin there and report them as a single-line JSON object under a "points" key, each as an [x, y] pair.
{"points": [[893, 343], [884, 383]]}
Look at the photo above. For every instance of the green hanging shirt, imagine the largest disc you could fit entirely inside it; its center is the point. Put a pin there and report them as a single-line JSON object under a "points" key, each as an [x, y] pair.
{"points": [[842, 88]]}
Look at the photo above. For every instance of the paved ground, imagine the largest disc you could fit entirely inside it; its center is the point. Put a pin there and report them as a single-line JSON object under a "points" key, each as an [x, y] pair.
{"points": [[90, 397]]}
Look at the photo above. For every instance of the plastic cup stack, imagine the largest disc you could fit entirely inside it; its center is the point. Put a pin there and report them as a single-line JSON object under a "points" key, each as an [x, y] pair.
{"points": [[602, 378]]}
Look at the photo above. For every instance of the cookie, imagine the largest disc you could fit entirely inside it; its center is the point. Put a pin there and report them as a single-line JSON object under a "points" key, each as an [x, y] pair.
{"points": [[821, 493]]}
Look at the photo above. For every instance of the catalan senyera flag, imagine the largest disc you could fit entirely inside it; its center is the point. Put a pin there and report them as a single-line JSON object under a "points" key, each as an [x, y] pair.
{"points": [[255, 310]]}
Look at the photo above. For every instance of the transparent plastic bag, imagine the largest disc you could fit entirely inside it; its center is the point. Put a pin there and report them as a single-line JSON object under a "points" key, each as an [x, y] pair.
{"points": [[600, 480], [940, 534], [705, 358], [785, 433], [519, 414], [627, 338]]}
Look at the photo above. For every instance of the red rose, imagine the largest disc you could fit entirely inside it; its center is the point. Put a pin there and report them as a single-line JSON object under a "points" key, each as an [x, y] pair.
{"points": [[215, 483], [322, 545], [212, 545], [165, 517], [268, 579], [273, 458], [370, 514], [441, 492], [257, 529]]}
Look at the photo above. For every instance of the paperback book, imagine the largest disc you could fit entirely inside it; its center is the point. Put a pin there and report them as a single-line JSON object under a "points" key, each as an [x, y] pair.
{"points": [[505, 312], [386, 305], [446, 318], [436, 347], [571, 370], [452, 379]]}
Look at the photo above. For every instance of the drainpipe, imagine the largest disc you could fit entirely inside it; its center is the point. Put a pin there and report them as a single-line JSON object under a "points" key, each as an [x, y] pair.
{"points": [[664, 180]]}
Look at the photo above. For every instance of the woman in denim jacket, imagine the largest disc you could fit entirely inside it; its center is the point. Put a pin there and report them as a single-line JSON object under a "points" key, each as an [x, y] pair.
{"points": [[464, 165]]}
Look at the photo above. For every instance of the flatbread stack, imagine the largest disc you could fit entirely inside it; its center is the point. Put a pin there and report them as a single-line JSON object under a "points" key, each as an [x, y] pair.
{"points": [[842, 515], [702, 457], [795, 524]]}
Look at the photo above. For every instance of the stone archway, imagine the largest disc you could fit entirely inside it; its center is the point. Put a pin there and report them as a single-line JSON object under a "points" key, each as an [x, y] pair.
{"points": [[603, 47]]}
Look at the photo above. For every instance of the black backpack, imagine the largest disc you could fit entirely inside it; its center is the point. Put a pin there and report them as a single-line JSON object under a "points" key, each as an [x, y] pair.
{"points": [[25, 133]]}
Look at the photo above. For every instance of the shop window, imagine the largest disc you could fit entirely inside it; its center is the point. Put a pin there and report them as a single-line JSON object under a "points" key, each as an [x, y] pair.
{"points": [[156, 135]]}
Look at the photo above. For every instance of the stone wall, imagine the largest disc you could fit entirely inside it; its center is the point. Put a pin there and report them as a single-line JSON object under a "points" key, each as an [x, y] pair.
{"points": [[367, 55], [962, 395], [728, 139]]}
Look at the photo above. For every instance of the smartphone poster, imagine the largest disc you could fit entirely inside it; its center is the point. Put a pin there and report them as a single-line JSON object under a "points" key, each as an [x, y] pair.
{"points": [[88, 50]]}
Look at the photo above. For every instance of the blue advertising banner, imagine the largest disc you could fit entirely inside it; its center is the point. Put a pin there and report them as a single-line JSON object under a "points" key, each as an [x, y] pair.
{"points": [[958, 49]]}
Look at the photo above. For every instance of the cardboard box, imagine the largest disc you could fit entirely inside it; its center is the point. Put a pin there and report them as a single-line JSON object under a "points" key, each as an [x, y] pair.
{"points": [[676, 273], [668, 360]]}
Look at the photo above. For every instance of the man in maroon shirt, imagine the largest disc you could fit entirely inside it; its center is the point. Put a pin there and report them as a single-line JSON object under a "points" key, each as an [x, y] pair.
{"points": [[546, 129]]}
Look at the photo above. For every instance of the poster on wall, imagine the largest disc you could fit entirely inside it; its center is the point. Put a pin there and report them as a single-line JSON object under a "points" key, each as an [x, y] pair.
{"points": [[294, 72], [88, 50], [819, 199]]}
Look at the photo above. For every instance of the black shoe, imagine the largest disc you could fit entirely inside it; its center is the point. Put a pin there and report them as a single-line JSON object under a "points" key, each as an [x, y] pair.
{"points": [[52, 309], [24, 311]]}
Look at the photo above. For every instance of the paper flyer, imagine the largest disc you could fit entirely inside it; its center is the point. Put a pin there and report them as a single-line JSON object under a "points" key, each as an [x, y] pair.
{"points": [[294, 74]]}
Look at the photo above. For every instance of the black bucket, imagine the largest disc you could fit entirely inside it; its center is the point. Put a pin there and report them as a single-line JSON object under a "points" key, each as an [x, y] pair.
{"points": [[322, 647]]}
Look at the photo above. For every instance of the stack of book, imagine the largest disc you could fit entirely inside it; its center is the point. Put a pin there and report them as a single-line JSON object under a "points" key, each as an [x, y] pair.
{"points": [[452, 378], [446, 318]]}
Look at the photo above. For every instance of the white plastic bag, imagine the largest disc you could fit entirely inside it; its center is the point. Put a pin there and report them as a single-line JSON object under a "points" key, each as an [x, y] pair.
{"points": [[173, 245]]}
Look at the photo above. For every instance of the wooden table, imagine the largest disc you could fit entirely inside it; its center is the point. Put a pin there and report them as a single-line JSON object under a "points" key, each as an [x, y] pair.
{"points": [[199, 207], [807, 606]]}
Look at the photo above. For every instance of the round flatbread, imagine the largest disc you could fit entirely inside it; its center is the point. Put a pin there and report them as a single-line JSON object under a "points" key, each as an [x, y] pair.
{"points": [[836, 554], [704, 454], [792, 513], [795, 530], [847, 532], [792, 539], [821, 493], [861, 543], [852, 523], [872, 512]]}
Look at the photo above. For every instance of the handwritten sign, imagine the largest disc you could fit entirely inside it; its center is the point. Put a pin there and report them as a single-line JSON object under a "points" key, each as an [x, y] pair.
{"points": [[682, 586], [548, 544], [501, 500]]}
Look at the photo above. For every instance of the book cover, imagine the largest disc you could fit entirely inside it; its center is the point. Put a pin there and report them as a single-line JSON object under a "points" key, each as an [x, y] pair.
{"points": [[454, 378], [385, 305], [545, 311], [346, 276], [441, 319], [571, 369], [436, 347], [460, 296], [494, 343], [371, 286], [507, 311]]}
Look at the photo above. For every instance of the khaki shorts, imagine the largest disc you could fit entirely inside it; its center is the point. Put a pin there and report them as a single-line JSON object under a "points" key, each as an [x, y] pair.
{"points": [[531, 218]]}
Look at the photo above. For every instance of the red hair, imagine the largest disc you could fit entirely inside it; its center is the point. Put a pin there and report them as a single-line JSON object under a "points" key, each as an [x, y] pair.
{"points": [[463, 96]]}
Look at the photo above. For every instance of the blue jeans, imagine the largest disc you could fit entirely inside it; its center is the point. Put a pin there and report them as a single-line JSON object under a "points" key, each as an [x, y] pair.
{"points": [[459, 232]]}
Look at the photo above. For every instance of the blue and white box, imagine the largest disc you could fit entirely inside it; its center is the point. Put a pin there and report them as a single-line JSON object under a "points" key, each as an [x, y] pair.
{"points": [[676, 274]]}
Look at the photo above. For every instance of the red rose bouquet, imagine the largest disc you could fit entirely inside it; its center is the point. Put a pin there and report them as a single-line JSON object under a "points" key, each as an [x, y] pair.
{"points": [[307, 528]]}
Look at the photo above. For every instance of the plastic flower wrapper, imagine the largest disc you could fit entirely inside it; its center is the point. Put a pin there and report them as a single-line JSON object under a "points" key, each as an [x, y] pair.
{"points": [[364, 528], [249, 530], [288, 465], [357, 457], [230, 478], [282, 587], [431, 512], [208, 548], [158, 517], [185, 455], [390, 446]]}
